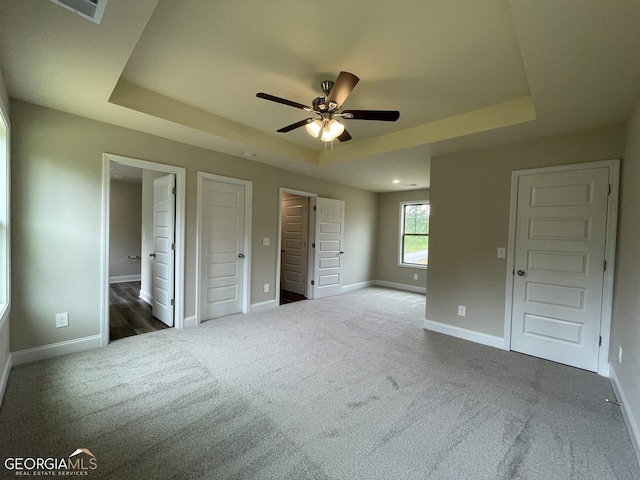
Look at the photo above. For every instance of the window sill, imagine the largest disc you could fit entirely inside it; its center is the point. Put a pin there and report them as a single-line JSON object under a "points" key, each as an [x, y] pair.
{"points": [[5, 308], [416, 266]]}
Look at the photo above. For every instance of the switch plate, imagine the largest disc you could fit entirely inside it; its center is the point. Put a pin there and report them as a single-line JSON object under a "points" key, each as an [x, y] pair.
{"points": [[266, 242], [462, 310], [62, 320], [266, 288], [502, 252], [415, 276]]}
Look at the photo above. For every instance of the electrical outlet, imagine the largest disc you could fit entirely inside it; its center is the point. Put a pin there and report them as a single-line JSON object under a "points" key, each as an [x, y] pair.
{"points": [[462, 310], [62, 320], [415, 276], [266, 288], [266, 242], [502, 252], [619, 354]]}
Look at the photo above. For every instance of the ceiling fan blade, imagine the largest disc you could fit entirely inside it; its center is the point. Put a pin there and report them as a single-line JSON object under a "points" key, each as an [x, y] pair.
{"points": [[344, 136], [381, 115], [283, 101], [342, 88], [293, 126]]}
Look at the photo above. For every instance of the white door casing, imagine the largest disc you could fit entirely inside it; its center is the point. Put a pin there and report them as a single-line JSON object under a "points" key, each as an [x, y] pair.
{"points": [[295, 237], [558, 266], [329, 247], [164, 215], [222, 249]]}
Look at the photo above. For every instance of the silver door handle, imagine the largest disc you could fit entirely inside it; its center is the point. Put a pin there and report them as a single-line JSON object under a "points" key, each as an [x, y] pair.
{"points": [[520, 273], [152, 254], [241, 255]]}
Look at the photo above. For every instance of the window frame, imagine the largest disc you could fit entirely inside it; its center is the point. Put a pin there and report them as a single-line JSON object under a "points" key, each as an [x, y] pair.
{"points": [[401, 235], [5, 239]]}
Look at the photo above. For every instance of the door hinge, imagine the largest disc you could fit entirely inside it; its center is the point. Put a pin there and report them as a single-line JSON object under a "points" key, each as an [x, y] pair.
{"points": [[314, 208], [173, 246], [173, 190], [313, 245], [173, 302], [312, 282], [609, 190], [605, 264], [600, 342]]}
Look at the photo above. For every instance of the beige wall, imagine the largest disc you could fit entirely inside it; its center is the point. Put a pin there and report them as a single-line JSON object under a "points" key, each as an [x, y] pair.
{"points": [[626, 300], [470, 196], [57, 203], [387, 268], [125, 228]]}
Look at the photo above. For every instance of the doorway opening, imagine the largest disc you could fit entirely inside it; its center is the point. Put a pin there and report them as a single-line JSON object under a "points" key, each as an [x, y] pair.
{"points": [[143, 247], [321, 273], [294, 251]]}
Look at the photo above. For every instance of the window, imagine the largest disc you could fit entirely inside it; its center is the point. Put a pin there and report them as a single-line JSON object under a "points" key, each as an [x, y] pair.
{"points": [[4, 214], [414, 234]]}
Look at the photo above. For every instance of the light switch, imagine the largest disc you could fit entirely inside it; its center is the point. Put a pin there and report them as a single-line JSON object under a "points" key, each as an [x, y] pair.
{"points": [[502, 252], [266, 242]]}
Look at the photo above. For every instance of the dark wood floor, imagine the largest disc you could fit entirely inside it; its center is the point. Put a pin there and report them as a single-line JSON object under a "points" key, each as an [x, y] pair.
{"points": [[290, 297], [128, 314]]}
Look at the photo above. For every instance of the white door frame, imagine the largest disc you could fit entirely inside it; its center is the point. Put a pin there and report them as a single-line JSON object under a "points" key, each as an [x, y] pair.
{"points": [[610, 251], [246, 264], [181, 174], [310, 269]]}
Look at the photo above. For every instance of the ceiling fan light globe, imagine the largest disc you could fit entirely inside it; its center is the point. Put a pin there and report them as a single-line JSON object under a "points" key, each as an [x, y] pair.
{"points": [[314, 128], [335, 127]]}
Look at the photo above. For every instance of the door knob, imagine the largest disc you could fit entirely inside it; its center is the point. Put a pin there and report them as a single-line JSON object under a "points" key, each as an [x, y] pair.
{"points": [[152, 254], [241, 255], [521, 273]]}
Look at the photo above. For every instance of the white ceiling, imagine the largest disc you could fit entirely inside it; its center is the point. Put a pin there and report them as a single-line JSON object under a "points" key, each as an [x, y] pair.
{"points": [[462, 73]]}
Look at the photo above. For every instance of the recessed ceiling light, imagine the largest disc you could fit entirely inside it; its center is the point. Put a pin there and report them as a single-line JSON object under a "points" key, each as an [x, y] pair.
{"points": [[396, 181]]}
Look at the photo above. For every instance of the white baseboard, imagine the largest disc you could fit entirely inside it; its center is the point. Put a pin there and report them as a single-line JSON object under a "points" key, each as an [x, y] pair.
{"points": [[146, 296], [124, 278], [190, 322], [358, 286], [401, 286], [56, 349], [5, 376], [465, 334], [627, 414], [263, 306]]}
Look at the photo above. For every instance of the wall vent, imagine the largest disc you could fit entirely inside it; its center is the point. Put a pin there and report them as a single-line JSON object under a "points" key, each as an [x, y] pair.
{"points": [[89, 9]]}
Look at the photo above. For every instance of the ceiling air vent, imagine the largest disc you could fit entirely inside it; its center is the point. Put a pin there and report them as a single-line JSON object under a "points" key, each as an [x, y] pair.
{"points": [[90, 9]]}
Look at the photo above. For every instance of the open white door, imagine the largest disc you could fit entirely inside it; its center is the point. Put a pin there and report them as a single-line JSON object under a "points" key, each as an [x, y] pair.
{"points": [[561, 230], [295, 235], [164, 217], [222, 245], [329, 247]]}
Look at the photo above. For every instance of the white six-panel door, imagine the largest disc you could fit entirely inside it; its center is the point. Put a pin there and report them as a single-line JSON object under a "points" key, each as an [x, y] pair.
{"points": [[329, 249], [222, 249], [164, 217], [295, 237], [559, 265]]}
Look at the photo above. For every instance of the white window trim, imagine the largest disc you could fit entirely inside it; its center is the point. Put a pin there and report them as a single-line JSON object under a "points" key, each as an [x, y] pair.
{"points": [[5, 175], [401, 229]]}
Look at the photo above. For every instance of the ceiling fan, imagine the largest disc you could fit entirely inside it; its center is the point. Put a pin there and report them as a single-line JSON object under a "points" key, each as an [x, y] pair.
{"points": [[327, 110]]}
